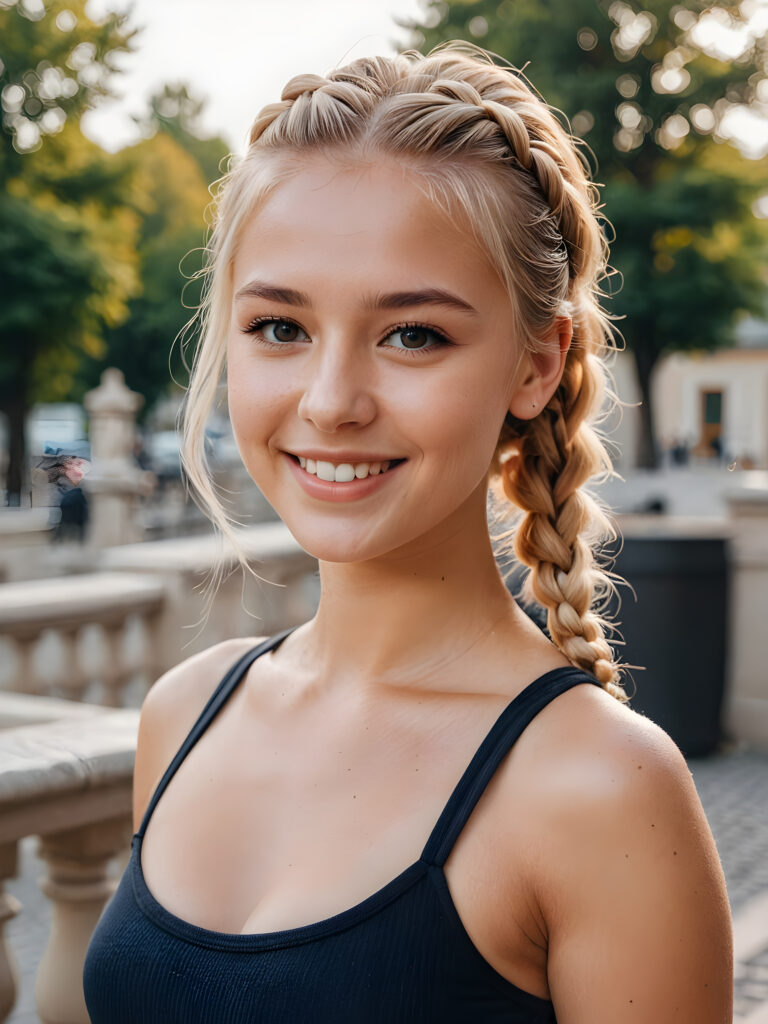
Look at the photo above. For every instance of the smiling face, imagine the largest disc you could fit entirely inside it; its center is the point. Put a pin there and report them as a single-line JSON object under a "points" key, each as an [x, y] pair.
{"points": [[367, 329], [75, 470]]}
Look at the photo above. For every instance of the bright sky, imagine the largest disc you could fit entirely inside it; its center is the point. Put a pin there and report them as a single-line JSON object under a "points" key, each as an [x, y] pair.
{"points": [[238, 54]]}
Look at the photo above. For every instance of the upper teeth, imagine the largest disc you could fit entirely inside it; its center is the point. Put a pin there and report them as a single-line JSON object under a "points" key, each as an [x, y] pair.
{"points": [[344, 472]]}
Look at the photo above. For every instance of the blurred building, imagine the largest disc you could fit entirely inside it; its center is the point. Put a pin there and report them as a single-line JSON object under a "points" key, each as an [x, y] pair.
{"points": [[707, 404]]}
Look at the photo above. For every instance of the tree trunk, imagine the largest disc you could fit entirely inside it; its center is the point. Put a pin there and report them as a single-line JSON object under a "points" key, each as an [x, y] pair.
{"points": [[647, 449], [15, 409]]}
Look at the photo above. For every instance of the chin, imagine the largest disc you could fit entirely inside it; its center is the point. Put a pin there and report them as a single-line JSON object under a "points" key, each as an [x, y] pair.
{"points": [[344, 549], [344, 545]]}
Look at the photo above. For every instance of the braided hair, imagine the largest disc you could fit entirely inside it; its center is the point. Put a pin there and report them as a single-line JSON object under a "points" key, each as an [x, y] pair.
{"points": [[493, 155]]}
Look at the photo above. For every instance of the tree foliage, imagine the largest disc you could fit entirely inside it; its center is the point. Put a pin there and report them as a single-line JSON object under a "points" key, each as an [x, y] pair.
{"points": [[66, 236], [171, 170], [55, 63], [650, 88]]}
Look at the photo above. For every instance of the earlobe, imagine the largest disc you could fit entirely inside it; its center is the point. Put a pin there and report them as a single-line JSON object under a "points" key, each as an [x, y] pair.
{"points": [[543, 372]]}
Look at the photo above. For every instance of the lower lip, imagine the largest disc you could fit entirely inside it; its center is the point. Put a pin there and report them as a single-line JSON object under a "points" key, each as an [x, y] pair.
{"points": [[327, 491]]}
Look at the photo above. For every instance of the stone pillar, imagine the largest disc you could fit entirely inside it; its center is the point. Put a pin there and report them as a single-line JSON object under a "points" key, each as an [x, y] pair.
{"points": [[115, 481], [78, 886], [9, 907], [747, 691]]}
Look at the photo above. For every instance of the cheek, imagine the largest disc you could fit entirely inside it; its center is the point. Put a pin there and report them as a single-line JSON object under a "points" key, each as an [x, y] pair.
{"points": [[465, 421], [255, 395]]}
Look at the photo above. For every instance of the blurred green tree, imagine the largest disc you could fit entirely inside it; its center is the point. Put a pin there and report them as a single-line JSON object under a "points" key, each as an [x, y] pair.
{"points": [[66, 237], [649, 86], [177, 113], [171, 170]]}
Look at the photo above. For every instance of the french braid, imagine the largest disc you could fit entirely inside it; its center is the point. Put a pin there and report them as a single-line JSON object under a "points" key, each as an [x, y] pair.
{"points": [[491, 152]]}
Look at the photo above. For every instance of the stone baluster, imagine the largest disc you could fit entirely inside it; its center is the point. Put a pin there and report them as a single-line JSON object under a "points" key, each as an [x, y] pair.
{"points": [[78, 886], [25, 645], [113, 671], [73, 677], [154, 666], [9, 907]]}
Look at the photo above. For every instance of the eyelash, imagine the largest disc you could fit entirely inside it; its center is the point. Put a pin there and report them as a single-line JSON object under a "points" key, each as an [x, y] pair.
{"points": [[254, 325]]}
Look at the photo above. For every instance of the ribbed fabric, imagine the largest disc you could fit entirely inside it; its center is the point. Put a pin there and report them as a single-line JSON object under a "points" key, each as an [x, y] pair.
{"points": [[402, 956]]}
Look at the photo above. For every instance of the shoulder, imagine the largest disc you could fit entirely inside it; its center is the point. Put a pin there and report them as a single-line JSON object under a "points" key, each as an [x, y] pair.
{"points": [[600, 769], [622, 859], [171, 707], [590, 745], [194, 679]]}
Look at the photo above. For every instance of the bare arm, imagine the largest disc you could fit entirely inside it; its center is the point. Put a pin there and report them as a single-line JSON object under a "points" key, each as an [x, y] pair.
{"points": [[633, 892]]}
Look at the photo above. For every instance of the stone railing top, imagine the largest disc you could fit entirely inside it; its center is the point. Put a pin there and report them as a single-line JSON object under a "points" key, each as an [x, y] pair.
{"points": [[56, 601], [18, 709], [682, 527], [24, 520], [67, 756], [265, 542]]}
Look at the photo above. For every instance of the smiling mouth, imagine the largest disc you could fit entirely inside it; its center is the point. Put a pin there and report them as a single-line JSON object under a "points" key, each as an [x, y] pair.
{"points": [[344, 472]]}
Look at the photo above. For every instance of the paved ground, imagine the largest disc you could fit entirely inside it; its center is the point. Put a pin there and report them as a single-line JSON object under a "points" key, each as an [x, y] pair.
{"points": [[734, 791], [699, 489], [733, 787]]}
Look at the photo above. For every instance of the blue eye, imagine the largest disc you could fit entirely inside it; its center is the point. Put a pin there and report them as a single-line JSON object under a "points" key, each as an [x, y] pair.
{"points": [[416, 338], [276, 332]]}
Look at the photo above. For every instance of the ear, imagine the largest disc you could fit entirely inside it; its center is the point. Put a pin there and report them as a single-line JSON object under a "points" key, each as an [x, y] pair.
{"points": [[540, 372]]}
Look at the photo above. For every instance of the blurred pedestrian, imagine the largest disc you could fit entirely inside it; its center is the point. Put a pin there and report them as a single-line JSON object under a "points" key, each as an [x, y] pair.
{"points": [[65, 468]]}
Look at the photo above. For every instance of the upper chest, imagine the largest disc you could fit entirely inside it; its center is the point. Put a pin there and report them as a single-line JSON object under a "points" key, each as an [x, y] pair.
{"points": [[273, 824]]}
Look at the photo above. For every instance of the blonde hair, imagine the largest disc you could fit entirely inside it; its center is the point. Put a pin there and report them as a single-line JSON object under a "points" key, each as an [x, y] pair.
{"points": [[488, 150]]}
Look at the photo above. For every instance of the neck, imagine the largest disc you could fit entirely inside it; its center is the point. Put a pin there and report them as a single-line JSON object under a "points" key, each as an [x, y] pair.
{"points": [[403, 619]]}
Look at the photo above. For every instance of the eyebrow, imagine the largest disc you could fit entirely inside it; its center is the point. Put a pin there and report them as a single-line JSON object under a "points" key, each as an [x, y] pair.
{"points": [[390, 300]]}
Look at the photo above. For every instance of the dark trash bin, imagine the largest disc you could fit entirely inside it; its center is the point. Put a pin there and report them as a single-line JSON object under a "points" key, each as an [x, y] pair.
{"points": [[676, 629]]}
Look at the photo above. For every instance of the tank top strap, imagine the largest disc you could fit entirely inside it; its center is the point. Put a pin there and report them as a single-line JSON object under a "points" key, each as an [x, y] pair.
{"points": [[214, 704], [499, 741]]}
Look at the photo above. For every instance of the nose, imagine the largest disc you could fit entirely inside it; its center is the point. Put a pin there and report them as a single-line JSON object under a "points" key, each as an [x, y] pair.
{"points": [[337, 391]]}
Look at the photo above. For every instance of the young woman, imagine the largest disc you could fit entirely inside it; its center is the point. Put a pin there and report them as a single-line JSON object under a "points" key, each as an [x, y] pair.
{"points": [[415, 807]]}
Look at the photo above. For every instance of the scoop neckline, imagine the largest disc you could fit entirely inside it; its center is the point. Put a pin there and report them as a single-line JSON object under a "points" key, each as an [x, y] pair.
{"points": [[282, 938], [249, 942]]}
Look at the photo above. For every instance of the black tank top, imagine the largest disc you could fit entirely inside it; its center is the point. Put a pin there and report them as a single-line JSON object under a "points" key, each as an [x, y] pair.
{"points": [[402, 956]]}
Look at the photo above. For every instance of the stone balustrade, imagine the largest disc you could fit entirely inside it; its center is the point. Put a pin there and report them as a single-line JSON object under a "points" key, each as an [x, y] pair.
{"points": [[65, 777], [67, 606], [148, 605], [286, 592]]}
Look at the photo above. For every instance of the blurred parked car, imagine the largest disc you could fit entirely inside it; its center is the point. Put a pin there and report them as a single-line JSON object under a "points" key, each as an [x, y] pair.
{"points": [[55, 423], [162, 450]]}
